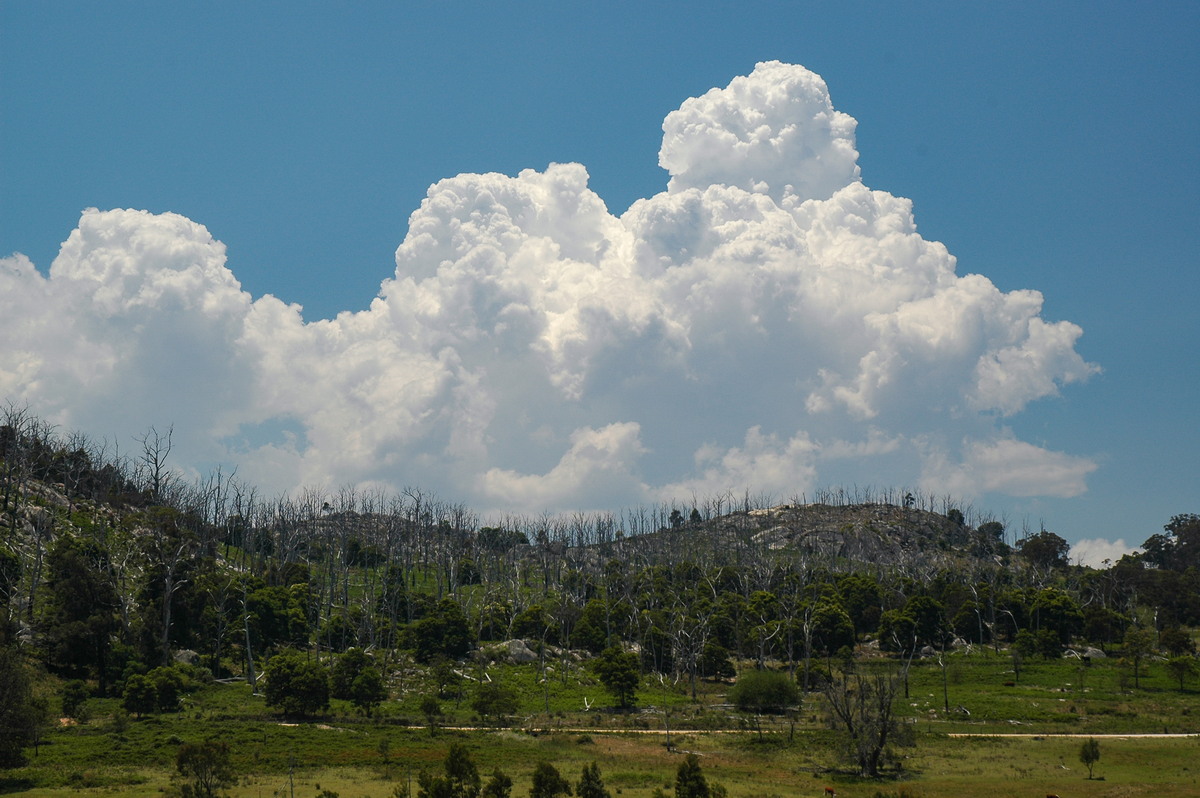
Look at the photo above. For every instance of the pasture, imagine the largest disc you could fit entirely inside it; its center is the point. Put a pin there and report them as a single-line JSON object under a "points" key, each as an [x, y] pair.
{"points": [[348, 753]]}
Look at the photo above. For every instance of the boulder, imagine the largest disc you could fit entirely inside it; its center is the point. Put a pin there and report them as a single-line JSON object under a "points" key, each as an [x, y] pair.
{"points": [[519, 652], [186, 656]]}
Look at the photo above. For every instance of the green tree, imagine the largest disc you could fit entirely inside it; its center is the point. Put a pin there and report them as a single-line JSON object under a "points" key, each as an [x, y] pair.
{"points": [[1045, 550], [368, 691], [278, 616], [1183, 667], [494, 700], [715, 662], [81, 612], [461, 771], [296, 685], [205, 767], [1089, 754], [432, 710], [861, 598], [168, 682], [590, 784], [689, 781], [1176, 641], [1139, 643], [18, 717], [139, 696], [762, 691], [1056, 611], [591, 630], [345, 670], [459, 779], [444, 632], [548, 782], [832, 629], [74, 699], [618, 672], [498, 786]]}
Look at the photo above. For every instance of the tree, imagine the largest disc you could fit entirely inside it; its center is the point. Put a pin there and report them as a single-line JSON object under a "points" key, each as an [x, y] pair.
{"points": [[139, 696], [1176, 641], [1055, 611], [862, 710], [345, 670], [1089, 754], [689, 781], [295, 684], [368, 691], [205, 766], [715, 662], [591, 629], [498, 786], [1045, 550], [460, 777], [1138, 645], [1183, 667], [548, 782], [590, 784], [168, 683], [444, 632], [74, 699], [18, 716], [760, 691], [432, 710], [493, 699], [618, 672], [1179, 548], [81, 611]]}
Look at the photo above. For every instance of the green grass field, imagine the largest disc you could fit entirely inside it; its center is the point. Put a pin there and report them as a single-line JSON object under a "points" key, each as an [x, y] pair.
{"points": [[354, 755]]}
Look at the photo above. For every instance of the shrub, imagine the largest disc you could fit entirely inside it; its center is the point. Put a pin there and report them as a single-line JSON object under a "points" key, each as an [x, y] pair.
{"points": [[295, 684]]}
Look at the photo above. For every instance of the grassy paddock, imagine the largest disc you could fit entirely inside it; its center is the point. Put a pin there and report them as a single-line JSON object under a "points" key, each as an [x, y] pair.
{"points": [[633, 765], [342, 750]]}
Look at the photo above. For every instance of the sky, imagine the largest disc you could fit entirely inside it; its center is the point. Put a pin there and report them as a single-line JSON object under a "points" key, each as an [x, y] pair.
{"points": [[533, 256]]}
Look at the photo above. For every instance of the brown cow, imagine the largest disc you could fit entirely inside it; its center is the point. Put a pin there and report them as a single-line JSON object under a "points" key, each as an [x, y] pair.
{"points": [[830, 792]]}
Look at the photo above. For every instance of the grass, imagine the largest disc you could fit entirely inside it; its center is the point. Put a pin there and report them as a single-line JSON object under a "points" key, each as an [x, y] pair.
{"points": [[341, 750]]}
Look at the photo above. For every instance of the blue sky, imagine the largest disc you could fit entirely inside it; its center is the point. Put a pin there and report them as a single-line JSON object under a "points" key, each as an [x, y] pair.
{"points": [[1052, 150]]}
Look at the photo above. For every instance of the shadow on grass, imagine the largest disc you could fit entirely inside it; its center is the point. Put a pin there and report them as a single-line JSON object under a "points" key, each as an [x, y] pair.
{"points": [[9, 784]]}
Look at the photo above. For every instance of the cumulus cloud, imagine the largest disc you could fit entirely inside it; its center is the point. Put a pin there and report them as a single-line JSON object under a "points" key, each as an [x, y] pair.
{"points": [[1007, 466], [1093, 552], [764, 317]]}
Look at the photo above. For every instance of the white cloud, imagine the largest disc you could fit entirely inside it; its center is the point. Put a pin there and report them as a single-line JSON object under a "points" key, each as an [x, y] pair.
{"points": [[1094, 551], [774, 132], [762, 464], [765, 317], [1008, 466]]}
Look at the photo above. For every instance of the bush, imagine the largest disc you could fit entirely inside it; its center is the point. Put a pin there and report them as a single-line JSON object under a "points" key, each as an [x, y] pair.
{"points": [[205, 767], [492, 699], [295, 684], [764, 691], [74, 699], [618, 672]]}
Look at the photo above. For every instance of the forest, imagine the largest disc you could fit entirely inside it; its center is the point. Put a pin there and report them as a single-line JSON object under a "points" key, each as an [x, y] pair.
{"points": [[130, 596]]}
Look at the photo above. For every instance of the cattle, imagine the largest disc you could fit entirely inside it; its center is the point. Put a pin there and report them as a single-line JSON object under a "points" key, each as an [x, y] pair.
{"points": [[830, 792]]}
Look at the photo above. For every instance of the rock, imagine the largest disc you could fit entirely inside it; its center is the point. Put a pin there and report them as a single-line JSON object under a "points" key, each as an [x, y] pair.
{"points": [[186, 656], [519, 652], [1095, 653]]}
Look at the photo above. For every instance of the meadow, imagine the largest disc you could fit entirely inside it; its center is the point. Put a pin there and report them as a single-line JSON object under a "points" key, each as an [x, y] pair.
{"points": [[1016, 750]]}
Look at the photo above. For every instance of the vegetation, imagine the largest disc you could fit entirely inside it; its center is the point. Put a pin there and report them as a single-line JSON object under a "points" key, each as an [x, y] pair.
{"points": [[204, 768], [1089, 754], [156, 612]]}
